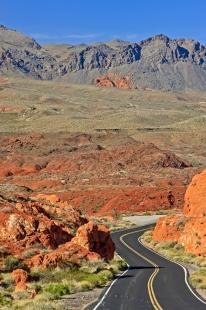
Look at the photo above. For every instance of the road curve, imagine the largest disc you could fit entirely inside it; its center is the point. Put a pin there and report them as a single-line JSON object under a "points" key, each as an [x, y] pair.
{"points": [[150, 282]]}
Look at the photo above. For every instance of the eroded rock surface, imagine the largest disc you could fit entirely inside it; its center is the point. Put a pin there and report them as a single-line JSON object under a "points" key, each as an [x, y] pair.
{"points": [[20, 278], [157, 62], [189, 228], [127, 177], [46, 232], [114, 80]]}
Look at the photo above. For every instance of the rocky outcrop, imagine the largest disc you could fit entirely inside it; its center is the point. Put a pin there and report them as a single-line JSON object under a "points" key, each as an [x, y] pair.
{"points": [[128, 176], [158, 62], [92, 242], [145, 198], [195, 197], [29, 223], [189, 228], [46, 231], [69, 253], [114, 80], [97, 237], [20, 278]]}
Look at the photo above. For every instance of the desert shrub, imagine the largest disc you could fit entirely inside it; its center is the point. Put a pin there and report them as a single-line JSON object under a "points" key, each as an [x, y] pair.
{"points": [[92, 267], [147, 236], [21, 295], [178, 247], [200, 261], [11, 263], [180, 224], [57, 289], [73, 231], [29, 253], [5, 299], [117, 265], [198, 278], [166, 245], [104, 276], [35, 305], [3, 252], [84, 286]]}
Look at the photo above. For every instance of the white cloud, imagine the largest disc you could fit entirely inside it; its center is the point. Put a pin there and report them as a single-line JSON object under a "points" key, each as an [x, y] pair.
{"points": [[43, 36], [76, 36]]}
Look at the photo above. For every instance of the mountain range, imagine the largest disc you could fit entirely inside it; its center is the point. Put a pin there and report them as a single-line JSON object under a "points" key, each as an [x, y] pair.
{"points": [[156, 63]]}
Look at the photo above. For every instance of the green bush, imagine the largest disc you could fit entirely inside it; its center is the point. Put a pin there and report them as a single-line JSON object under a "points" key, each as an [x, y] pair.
{"points": [[85, 285], [198, 278], [5, 299], [104, 276], [11, 263], [57, 290]]}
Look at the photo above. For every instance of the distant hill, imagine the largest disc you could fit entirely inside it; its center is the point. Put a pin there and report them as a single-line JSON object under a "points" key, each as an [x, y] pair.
{"points": [[158, 62]]}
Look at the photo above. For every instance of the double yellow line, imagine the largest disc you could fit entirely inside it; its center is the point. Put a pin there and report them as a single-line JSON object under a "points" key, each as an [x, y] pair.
{"points": [[150, 288]]}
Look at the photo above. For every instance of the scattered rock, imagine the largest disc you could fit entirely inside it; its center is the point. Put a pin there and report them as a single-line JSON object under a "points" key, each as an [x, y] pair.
{"points": [[95, 238], [20, 278]]}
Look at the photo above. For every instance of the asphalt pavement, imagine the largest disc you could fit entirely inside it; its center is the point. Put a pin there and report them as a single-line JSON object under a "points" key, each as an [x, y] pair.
{"points": [[150, 282]]}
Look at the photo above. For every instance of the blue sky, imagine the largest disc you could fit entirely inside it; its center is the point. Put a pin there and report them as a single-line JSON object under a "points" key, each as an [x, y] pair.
{"points": [[77, 21]]}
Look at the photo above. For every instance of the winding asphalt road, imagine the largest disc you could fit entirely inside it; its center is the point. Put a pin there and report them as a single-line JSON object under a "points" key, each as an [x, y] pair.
{"points": [[150, 282]]}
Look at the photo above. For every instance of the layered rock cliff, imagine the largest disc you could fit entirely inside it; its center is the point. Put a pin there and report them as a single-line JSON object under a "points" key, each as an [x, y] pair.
{"points": [[158, 62]]}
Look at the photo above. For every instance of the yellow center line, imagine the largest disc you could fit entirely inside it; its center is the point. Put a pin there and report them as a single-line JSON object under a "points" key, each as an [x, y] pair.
{"points": [[150, 288]]}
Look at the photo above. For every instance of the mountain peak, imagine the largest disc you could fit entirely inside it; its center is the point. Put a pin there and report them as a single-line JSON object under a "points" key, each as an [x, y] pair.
{"points": [[152, 63]]}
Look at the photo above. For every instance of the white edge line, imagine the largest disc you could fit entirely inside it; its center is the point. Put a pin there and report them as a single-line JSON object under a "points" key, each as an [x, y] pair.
{"points": [[183, 267], [121, 275], [109, 288]]}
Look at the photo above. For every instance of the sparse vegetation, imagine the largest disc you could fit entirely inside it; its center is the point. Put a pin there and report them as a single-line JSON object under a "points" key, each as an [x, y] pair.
{"points": [[170, 117], [170, 249], [115, 223], [51, 285], [5, 300], [198, 278], [11, 263], [56, 290], [176, 252]]}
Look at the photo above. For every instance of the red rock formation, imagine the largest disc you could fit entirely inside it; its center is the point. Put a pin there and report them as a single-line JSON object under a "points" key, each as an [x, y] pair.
{"points": [[95, 238], [20, 278], [169, 228], [67, 253], [38, 226], [30, 223], [114, 80], [124, 177], [188, 229], [140, 199], [92, 242], [195, 197]]}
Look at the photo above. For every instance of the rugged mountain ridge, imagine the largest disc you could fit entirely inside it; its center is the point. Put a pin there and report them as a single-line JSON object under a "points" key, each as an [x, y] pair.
{"points": [[158, 62]]}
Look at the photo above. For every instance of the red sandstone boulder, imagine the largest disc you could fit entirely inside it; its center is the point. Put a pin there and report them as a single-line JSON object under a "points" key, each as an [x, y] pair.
{"points": [[20, 278], [95, 238], [92, 242], [189, 229]]}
